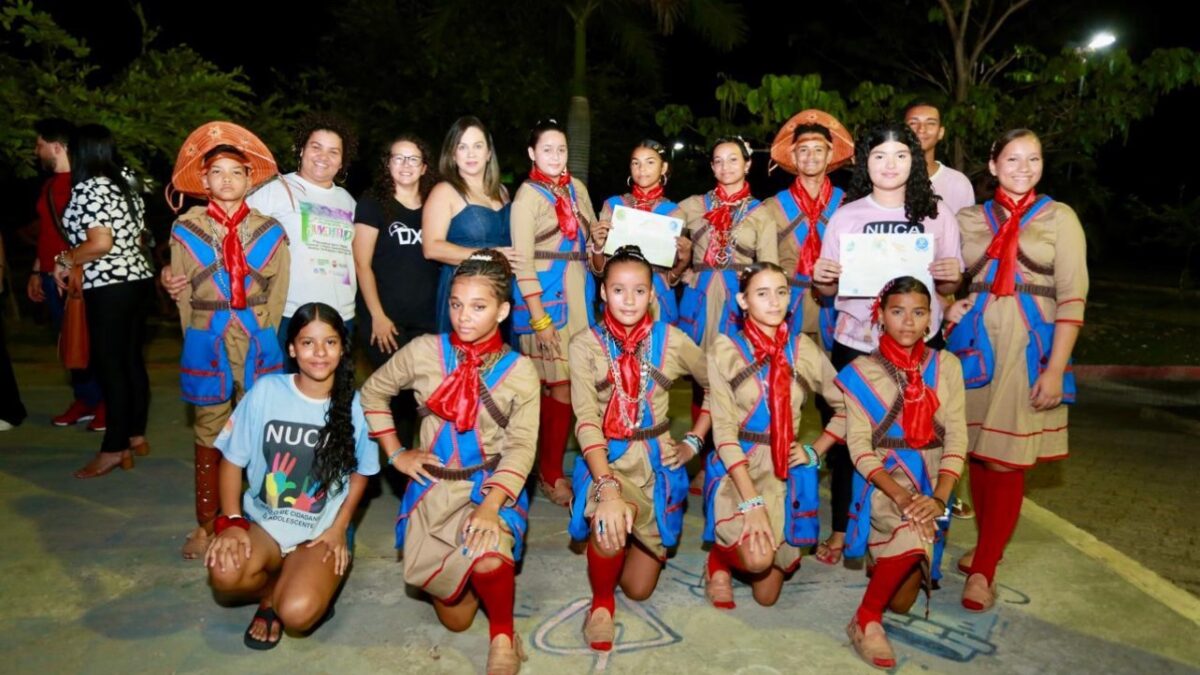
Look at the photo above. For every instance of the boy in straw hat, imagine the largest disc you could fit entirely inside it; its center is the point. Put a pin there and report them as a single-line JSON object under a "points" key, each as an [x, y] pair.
{"points": [[236, 263], [810, 145]]}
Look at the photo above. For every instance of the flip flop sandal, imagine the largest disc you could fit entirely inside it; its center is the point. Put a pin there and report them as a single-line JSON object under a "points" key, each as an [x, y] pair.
{"points": [[834, 557], [269, 616]]}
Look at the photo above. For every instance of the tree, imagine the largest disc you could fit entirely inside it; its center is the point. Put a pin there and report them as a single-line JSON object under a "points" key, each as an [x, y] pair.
{"points": [[150, 104]]}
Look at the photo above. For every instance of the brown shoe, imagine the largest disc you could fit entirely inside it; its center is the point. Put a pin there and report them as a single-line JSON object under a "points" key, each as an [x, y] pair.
{"points": [[599, 630], [142, 449], [505, 656], [719, 590], [871, 644], [977, 595], [104, 463]]}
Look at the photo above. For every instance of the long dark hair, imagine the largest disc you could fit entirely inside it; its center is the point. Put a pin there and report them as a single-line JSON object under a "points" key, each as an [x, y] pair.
{"points": [[919, 200], [334, 456], [384, 189], [448, 167], [92, 152]]}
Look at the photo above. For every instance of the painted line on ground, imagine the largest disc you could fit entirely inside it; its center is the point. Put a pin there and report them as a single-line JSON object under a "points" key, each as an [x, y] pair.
{"points": [[1149, 582]]}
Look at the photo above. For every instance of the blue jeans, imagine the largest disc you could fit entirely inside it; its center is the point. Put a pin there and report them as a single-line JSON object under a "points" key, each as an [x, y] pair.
{"points": [[289, 364], [82, 381]]}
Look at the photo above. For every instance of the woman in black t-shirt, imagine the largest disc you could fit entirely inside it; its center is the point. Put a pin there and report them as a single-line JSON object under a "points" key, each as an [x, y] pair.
{"points": [[397, 286]]}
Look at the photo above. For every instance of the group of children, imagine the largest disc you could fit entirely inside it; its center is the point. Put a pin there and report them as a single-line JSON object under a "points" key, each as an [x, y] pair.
{"points": [[759, 327]]}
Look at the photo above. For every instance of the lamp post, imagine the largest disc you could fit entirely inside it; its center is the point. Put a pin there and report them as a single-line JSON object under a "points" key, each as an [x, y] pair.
{"points": [[1101, 40]]}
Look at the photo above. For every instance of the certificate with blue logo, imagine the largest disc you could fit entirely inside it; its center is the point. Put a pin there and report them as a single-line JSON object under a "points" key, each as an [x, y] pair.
{"points": [[655, 234], [871, 260]]}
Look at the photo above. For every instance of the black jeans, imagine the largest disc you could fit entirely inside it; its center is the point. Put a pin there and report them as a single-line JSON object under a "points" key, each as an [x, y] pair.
{"points": [[841, 469], [116, 316]]}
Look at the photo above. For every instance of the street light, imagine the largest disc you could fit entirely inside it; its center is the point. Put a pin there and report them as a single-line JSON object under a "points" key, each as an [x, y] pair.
{"points": [[1101, 40], [678, 146]]}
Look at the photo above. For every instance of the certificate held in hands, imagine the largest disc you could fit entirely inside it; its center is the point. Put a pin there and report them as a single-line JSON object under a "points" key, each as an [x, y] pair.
{"points": [[655, 234], [871, 260]]}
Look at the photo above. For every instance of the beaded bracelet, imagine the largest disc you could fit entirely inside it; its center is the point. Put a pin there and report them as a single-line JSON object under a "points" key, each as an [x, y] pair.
{"points": [[396, 453], [607, 480], [694, 442], [814, 460], [751, 504], [541, 324]]}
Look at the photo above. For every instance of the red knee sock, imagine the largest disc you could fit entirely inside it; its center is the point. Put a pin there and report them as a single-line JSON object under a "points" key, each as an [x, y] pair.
{"points": [[979, 485], [886, 578], [497, 592], [722, 560], [1005, 490], [603, 575], [552, 438]]}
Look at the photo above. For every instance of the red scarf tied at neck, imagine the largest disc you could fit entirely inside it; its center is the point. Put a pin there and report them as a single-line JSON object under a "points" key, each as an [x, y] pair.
{"points": [[233, 257], [457, 398], [721, 219], [643, 199], [564, 208], [779, 384], [621, 415], [920, 402], [1004, 244], [812, 209]]}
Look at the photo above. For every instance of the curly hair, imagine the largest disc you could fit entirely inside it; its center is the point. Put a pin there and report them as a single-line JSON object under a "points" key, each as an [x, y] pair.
{"points": [[920, 202], [383, 189], [334, 456], [323, 121]]}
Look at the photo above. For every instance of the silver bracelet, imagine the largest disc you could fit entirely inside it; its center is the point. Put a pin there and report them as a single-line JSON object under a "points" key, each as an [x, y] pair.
{"points": [[751, 504], [395, 453], [694, 442]]}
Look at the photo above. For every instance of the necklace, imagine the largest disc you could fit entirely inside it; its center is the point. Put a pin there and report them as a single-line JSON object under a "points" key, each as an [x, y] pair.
{"points": [[618, 384]]}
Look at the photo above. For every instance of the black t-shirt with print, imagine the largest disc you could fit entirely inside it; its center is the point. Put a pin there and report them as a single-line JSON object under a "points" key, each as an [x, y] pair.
{"points": [[407, 282]]}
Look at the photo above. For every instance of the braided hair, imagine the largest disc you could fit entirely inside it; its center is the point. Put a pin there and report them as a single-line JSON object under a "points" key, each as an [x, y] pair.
{"points": [[627, 254], [492, 266]]}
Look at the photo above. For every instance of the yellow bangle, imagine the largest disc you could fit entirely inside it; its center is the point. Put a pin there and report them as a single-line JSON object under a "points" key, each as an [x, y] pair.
{"points": [[542, 323]]}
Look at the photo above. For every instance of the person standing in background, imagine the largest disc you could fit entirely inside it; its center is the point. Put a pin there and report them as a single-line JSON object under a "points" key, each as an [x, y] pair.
{"points": [[51, 150], [12, 410]]}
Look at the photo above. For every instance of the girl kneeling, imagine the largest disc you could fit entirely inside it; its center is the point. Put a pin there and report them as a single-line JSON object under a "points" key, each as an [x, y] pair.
{"points": [[463, 516], [761, 484], [621, 375], [907, 434], [303, 443]]}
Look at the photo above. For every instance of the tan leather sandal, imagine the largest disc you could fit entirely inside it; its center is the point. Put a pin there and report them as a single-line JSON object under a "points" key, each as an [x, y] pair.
{"points": [[719, 591], [599, 630], [977, 595], [968, 559], [505, 657], [871, 644]]}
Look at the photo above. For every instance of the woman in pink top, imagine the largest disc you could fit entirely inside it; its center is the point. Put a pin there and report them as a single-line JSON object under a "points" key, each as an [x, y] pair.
{"points": [[892, 195]]}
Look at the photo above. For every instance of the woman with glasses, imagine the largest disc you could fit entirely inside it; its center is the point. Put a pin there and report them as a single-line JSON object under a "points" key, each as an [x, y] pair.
{"points": [[397, 286]]}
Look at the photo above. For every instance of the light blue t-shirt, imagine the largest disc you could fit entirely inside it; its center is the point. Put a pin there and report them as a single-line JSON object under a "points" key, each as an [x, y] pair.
{"points": [[272, 434]]}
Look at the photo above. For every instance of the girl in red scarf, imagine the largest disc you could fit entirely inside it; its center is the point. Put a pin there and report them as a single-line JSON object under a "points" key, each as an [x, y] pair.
{"points": [[1015, 422], [631, 482], [462, 519], [912, 464], [759, 380], [226, 308], [551, 224], [648, 175]]}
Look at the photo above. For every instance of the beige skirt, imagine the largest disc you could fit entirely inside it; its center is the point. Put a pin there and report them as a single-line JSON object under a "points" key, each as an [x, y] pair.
{"points": [[774, 493]]}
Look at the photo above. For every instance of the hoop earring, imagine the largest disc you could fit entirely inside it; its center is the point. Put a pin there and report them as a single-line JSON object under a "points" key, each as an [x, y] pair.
{"points": [[629, 181], [664, 179]]}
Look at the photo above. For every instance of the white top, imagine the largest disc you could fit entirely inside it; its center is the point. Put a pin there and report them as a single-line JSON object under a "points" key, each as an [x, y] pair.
{"points": [[320, 227]]}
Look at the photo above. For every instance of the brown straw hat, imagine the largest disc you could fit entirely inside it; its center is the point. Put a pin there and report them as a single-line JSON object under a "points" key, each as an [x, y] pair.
{"points": [[843, 142], [186, 177]]}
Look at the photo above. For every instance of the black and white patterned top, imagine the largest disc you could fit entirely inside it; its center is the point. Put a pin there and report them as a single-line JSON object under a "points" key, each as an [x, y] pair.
{"points": [[97, 202]]}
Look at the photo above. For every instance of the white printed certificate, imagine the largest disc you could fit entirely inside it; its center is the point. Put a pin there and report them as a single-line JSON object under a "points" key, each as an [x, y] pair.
{"points": [[871, 260], [655, 234]]}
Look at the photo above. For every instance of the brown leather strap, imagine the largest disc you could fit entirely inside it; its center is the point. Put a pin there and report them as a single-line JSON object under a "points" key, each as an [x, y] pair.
{"points": [[651, 432], [737, 267], [1028, 289], [745, 374], [221, 305], [760, 437], [545, 235], [796, 282], [465, 473], [489, 404], [559, 255], [879, 434]]}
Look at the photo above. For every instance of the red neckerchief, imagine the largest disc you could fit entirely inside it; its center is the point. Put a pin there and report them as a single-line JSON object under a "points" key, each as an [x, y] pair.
{"points": [[812, 208], [231, 251], [920, 402], [721, 219], [568, 223], [457, 398], [779, 385], [645, 200], [628, 338], [1004, 244]]}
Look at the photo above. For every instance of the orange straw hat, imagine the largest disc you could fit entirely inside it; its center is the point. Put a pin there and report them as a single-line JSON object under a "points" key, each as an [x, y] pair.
{"points": [[186, 178], [843, 142]]}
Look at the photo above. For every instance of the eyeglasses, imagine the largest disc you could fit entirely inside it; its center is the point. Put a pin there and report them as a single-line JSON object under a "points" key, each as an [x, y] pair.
{"points": [[410, 160]]}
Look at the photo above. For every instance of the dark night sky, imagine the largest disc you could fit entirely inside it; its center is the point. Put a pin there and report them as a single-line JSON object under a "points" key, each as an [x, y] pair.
{"points": [[779, 46]]}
